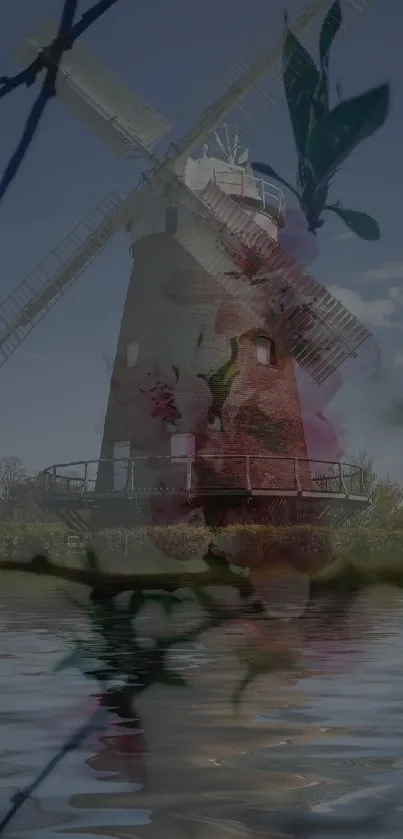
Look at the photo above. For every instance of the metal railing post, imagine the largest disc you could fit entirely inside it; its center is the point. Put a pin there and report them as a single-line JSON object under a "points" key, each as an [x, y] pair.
{"points": [[363, 486], [85, 477], [342, 484], [128, 476], [297, 484], [248, 481], [131, 483], [189, 475]]}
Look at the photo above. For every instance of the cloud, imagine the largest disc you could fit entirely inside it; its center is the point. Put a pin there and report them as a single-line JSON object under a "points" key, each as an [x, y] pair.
{"points": [[376, 312], [348, 234], [385, 272], [398, 359]]}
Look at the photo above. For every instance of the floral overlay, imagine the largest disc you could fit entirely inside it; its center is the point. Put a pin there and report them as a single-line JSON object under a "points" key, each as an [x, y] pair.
{"points": [[242, 411], [325, 137]]}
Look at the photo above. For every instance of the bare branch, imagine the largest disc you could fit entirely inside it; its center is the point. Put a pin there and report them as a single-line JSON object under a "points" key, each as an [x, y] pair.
{"points": [[89, 17], [116, 583], [47, 92], [50, 58], [28, 76]]}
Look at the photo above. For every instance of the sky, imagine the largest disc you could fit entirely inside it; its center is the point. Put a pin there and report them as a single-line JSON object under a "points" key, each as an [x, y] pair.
{"points": [[54, 388]]}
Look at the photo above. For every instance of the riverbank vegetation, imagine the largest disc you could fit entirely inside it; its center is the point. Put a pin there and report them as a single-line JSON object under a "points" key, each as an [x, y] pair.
{"points": [[369, 545], [366, 553]]}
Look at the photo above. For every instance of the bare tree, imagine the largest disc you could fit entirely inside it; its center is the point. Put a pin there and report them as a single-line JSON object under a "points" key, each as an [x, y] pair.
{"points": [[12, 473], [385, 510]]}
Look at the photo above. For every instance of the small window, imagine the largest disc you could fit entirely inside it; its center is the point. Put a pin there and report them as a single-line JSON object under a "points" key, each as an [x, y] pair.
{"points": [[215, 423], [171, 220], [266, 352], [132, 353], [182, 446]]}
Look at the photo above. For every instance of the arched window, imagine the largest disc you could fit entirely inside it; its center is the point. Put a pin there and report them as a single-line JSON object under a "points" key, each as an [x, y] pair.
{"points": [[266, 352]]}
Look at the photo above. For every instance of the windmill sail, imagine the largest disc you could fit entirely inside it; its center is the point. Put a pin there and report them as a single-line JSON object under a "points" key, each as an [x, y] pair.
{"points": [[321, 333], [250, 102], [40, 290], [130, 126], [120, 118]]}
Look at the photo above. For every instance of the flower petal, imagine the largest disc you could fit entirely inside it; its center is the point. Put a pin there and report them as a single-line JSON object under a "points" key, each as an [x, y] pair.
{"points": [[284, 590], [192, 287], [296, 239], [193, 400]]}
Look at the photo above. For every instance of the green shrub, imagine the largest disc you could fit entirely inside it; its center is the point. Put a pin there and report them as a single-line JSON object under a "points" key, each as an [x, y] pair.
{"points": [[19, 540], [362, 546]]}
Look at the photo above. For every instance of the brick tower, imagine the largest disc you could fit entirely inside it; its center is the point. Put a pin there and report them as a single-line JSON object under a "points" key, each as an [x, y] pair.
{"points": [[182, 332]]}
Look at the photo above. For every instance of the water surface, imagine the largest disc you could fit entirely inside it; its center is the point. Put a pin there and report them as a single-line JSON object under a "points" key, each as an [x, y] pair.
{"points": [[317, 752]]}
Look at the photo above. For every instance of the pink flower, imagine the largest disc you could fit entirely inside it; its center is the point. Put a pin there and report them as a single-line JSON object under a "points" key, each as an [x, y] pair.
{"points": [[229, 320], [296, 239], [324, 440], [157, 402], [233, 320], [334, 650], [280, 569], [192, 288], [168, 506], [272, 647]]}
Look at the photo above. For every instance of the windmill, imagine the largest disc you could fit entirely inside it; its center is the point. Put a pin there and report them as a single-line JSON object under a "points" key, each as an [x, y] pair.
{"points": [[209, 223]]}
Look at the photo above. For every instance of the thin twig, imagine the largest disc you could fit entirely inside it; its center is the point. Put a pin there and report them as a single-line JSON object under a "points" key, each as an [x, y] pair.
{"points": [[73, 742], [47, 92], [29, 74], [27, 137], [67, 35], [89, 17]]}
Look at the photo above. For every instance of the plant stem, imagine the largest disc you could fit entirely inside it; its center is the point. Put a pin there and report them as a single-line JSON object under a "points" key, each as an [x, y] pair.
{"points": [[74, 742]]}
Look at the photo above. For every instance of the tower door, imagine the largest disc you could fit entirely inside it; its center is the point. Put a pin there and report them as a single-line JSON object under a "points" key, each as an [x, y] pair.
{"points": [[121, 455]]}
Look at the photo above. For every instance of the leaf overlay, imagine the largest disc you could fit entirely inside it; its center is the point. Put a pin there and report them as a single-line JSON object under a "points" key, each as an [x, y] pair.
{"points": [[361, 224]]}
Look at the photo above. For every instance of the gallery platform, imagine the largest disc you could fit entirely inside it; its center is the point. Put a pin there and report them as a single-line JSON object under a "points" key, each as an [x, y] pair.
{"points": [[93, 494]]}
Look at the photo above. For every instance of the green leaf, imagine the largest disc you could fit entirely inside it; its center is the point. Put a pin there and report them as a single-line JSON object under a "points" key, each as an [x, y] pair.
{"points": [[72, 659], [259, 662], [92, 562], [302, 85], [313, 203], [332, 140], [330, 28], [215, 562], [220, 383], [265, 169], [361, 224], [136, 602], [252, 672], [166, 600], [82, 607], [171, 677], [206, 601]]}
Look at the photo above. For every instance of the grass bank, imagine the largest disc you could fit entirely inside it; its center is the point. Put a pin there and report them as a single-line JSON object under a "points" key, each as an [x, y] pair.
{"points": [[353, 556]]}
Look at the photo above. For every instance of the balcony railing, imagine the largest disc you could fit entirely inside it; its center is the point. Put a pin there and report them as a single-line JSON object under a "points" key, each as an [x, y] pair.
{"points": [[207, 475], [247, 186]]}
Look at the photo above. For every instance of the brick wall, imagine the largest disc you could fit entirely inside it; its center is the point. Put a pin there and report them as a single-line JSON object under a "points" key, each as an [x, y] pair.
{"points": [[262, 415]]}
